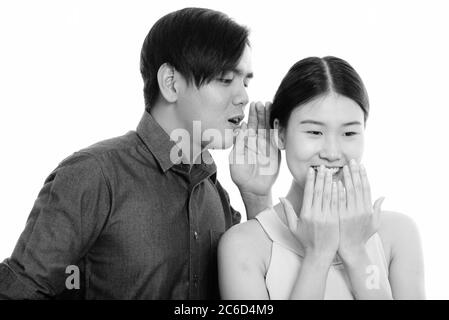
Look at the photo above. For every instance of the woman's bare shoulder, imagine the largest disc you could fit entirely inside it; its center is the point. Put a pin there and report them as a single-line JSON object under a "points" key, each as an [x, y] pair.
{"points": [[396, 230], [249, 233], [248, 238]]}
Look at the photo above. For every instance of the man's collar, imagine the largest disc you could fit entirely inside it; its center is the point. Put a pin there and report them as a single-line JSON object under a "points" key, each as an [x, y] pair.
{"points": [[160, 145]]}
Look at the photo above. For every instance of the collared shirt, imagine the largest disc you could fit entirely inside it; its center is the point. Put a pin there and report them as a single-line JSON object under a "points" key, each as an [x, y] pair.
{"points": [[120, 220]]}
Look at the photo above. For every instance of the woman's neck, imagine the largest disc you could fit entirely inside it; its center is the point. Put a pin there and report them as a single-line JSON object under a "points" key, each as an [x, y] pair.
{"points": [[295, 196]]}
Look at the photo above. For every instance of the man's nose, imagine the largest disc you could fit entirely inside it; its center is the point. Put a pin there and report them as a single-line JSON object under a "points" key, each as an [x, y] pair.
{"points": [[241, 96]]}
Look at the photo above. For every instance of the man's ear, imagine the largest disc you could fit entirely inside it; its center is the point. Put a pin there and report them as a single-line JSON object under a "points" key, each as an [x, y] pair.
{"points": [[166, 78], [279, 135]]}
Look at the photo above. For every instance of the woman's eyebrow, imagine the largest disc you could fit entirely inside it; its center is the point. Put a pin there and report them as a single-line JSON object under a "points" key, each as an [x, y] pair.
{"points": [[347, 124], [312, 122], [352, 123]]}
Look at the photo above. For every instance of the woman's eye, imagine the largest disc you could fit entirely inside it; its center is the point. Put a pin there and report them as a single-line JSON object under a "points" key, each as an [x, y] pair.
{"points": [[315, 133], [350, 134]]}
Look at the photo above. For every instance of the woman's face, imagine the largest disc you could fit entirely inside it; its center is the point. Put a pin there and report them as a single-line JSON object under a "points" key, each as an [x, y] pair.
{"points": [[328, 130]]}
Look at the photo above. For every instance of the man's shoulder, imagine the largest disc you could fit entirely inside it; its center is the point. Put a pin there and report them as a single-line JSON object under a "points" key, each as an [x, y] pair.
{"points": [[115, 144], [101, 153], [107, 147]]}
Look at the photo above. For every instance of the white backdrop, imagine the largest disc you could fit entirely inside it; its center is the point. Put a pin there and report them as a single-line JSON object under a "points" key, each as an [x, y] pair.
{"points": [[69, 76]]}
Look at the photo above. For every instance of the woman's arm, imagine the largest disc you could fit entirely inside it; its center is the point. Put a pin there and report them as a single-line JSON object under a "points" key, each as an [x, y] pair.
{"points": [[243, 258], [312, 277], [241, 263], [406, 271], [367, 280]]}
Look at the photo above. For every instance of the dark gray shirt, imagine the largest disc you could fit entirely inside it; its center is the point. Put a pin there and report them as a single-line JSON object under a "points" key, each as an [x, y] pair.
{"points": [[136, 225]]}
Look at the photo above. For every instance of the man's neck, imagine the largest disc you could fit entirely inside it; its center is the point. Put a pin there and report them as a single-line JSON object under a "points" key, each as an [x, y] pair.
{"points": [[167, 117]]}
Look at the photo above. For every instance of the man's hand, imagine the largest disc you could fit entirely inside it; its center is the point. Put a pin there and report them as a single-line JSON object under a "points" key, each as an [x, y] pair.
{"points": [[254, 159]]}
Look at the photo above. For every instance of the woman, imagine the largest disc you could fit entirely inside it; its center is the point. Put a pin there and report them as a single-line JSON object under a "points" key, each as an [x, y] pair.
{"points": [[325, 239]]}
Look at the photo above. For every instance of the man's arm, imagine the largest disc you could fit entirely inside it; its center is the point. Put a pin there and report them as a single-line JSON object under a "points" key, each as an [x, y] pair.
{"points": [[254, 160], [254, 204], [65, 220]]}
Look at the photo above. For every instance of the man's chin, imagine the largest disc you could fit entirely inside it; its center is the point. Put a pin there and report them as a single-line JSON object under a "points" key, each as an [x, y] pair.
{"points": [[218, 144]]}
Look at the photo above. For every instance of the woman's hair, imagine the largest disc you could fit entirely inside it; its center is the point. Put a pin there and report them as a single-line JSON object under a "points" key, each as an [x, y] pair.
{"points": [[313, 77], [199, 43]]}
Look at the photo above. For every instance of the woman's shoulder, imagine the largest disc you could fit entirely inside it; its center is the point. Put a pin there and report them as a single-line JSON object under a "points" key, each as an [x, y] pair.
{"points": [[391, 222], [249, 233], [248, 239], [397, 230]]}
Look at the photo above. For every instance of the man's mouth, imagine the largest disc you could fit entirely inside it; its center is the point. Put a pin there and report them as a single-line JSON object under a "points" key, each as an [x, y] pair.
{"points": [[235, 121]]}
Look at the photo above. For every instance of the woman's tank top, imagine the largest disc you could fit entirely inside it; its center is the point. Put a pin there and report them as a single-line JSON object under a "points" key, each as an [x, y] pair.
{"points": [[287, 255]]}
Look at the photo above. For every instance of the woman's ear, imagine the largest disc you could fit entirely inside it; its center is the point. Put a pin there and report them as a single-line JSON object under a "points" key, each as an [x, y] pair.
{"points": [[166, 78], [279, 135]]}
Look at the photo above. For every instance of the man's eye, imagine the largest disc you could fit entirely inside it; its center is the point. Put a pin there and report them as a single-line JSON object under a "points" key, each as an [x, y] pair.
{"points": [[350, 134], [225, 80], [315, 133]]}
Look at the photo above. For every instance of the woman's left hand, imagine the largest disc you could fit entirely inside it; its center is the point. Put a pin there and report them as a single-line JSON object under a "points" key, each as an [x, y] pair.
{"points": [[359, 219]]}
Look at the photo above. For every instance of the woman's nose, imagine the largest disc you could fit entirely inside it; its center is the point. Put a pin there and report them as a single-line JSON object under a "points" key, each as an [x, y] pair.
{"points": [[330, 151]]}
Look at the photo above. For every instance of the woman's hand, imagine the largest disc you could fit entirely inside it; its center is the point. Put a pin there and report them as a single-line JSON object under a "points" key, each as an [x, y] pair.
{"points": [[317, 227], [359, 219]]}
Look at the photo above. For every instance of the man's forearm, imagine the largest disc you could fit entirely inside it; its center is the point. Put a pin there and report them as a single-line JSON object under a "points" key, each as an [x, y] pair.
{"points": [[255, 203]]}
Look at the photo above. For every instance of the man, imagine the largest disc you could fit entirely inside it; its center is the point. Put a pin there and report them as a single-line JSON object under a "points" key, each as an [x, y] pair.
{"points": [[139, 216]]}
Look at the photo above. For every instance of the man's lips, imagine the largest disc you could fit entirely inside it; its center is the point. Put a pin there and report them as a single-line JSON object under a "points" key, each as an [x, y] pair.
{"points": [[235, 121]]}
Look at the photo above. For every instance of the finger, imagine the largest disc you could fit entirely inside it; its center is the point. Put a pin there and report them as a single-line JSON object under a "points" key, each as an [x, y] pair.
{"points": [[327, 194], [260, 109], [318, 190], [366, 187], [341, 199], [357, 183], [334, 201], [377, 208], [237, 155], [292, 218], [252, 140], [308, 191], [350, 197], [267, 114], [252, 117]]}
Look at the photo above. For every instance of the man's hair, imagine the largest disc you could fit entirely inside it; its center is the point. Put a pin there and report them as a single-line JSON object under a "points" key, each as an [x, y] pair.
{"points": [[199, 43]]}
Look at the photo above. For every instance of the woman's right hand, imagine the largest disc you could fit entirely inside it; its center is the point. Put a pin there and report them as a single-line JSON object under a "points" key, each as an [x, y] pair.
{"points": [[317, 227]]}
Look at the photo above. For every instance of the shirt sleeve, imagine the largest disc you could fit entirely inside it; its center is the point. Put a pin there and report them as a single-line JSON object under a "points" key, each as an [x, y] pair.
{"points": [[235, 216], [67, 217]]}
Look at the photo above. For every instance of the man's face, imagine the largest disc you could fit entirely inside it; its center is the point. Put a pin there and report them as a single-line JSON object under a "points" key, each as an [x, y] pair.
{"points": [[216, 106]]}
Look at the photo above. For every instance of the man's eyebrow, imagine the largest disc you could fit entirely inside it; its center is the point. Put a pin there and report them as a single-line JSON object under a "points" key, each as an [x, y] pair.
{"points": [[347, 124], [240, 72]]}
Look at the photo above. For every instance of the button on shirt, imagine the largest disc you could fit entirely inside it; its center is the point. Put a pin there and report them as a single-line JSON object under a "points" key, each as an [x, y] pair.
{"points": [[135, 225]]}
